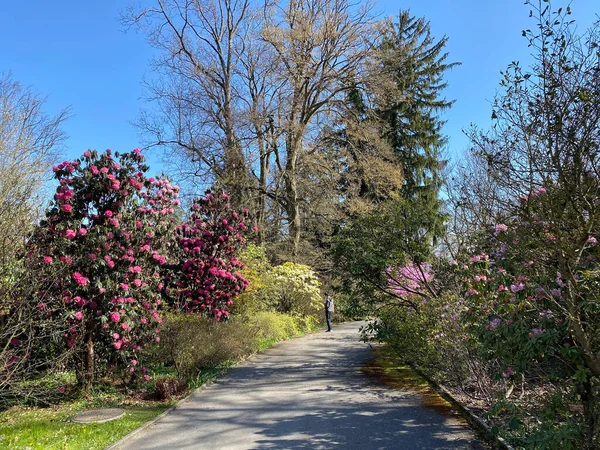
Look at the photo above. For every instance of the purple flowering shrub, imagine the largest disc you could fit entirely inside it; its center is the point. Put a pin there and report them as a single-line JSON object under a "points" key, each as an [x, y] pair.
{"points": [[529, 301]]}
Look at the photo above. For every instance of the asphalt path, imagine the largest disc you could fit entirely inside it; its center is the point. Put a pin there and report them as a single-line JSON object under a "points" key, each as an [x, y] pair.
{"points": [[307, 393]]}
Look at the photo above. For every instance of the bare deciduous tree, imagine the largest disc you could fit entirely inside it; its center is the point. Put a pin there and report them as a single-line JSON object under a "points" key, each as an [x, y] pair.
{"points": [[320, 44], [200, 45], [29, 139]]}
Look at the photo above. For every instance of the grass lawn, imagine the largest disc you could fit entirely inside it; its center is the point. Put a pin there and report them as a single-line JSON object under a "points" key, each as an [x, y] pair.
{"points": [[50, 428], [32, 427]]}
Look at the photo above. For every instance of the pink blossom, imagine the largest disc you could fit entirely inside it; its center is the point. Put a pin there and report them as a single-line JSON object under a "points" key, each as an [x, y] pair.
{"points": [[66, 259], [137, 282], [94, 170], [509, 372], [124, 286], [80, 279], [500, 228], [66, 208], [70, 234], [115, 317], [87, 154], [146, 377], [79, 315], [104, 170], [108, 213], [47, 259], [517, 287], [502, 288], [591, 240], [117, 345], [92, 256], [538, 192], [135, 269], [493, 324], [82, 231]]}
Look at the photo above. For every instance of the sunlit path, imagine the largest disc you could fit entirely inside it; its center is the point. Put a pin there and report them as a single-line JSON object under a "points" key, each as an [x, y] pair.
{"points": [[309, 393]]}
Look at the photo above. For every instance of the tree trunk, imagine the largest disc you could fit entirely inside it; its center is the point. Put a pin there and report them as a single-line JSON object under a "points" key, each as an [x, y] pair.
{"points": [[293, 143], [86, 375], [589, 392]]}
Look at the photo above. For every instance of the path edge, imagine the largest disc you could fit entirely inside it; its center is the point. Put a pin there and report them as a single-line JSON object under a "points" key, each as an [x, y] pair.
{"points": [[474, 420], [118, 445]]}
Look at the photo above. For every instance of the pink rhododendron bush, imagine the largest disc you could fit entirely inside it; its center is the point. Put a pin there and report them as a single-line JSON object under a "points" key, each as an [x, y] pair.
{"points": [[110, 256], [533, 311], [207, 277], [108, 229]]}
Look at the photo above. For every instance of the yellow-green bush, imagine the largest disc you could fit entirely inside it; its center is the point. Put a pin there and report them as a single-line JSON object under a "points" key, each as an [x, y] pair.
{"points": [[189, 342], [273, 326], [289, 288], [293, 289], [257, 267]]}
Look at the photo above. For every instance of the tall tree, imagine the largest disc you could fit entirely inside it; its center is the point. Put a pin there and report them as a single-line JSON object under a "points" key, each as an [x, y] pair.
{"points": [[319, 45], [200, 46], [543, 156], [29, 144], [406, 82]]}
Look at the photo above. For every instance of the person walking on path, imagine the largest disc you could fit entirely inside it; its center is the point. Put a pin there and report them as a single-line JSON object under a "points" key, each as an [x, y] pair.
{"points": [[328, 310]]}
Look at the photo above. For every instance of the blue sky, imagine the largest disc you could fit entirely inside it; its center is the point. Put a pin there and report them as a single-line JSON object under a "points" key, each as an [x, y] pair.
{"points": [[77, 54]]}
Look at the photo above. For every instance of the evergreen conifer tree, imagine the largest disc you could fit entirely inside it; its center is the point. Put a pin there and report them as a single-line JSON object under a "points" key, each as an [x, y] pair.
{"points": [[407, 84]]}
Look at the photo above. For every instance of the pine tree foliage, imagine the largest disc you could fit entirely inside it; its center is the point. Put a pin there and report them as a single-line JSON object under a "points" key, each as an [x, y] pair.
{"points": [[407, 80]]}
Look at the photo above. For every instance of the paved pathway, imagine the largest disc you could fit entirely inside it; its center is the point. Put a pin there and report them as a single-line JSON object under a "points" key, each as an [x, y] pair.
{"points": [[307, 393]]}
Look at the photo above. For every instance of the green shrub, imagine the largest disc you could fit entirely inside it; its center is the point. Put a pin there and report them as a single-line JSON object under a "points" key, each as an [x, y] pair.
{"points": [[272, 326], [190, 342]]}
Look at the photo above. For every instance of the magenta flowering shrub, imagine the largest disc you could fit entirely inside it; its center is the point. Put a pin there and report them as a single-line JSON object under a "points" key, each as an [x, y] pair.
{"points": [[207, 278], [411, 279], [109, 228]]}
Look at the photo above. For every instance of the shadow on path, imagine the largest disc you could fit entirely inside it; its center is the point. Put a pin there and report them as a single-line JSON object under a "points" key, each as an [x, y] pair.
{"points": [[308, 393]]}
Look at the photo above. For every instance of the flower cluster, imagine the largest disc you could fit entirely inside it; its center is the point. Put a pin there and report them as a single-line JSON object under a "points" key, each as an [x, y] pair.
{"points": [[412, 278], [207, 245], [108, 229]]}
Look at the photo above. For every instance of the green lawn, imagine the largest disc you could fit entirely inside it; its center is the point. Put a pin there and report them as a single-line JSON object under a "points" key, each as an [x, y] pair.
{"points": [[50, 428]]}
